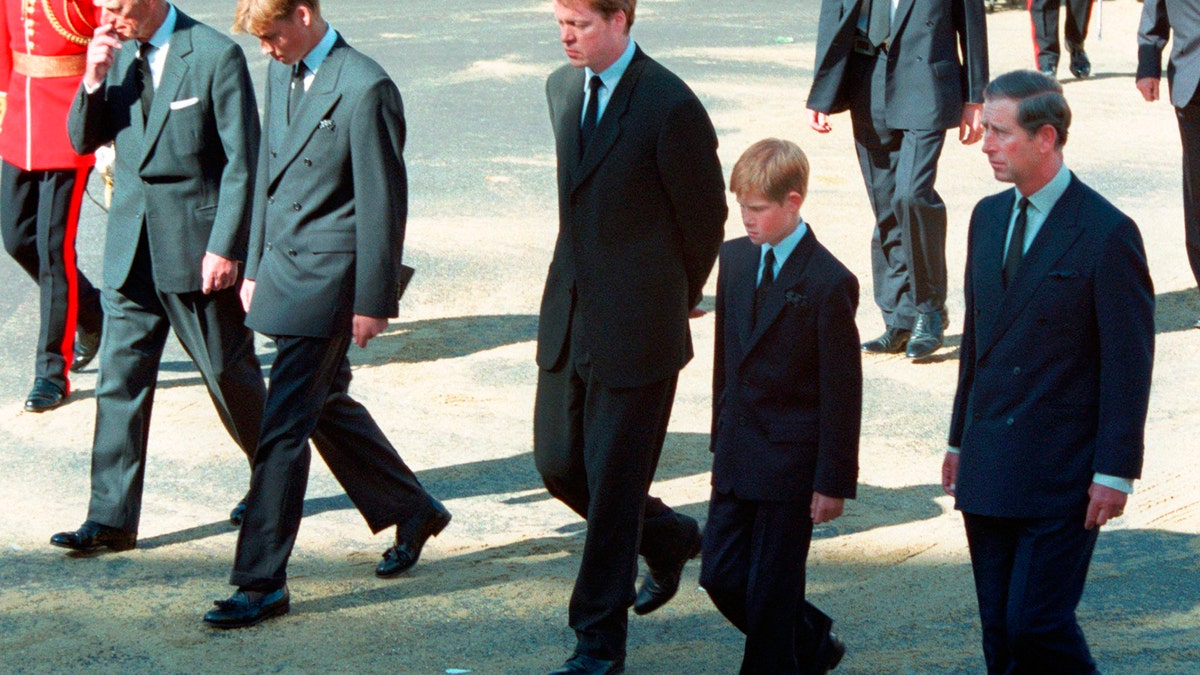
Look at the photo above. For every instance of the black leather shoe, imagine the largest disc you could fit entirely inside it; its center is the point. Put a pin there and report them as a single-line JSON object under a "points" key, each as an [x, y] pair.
{"points": [[1081, 65], [1051, 73], [926, 335], [244, 608], [661, 583], [891, 342], [835, 652], [404, 554], [44, 396], [92, 536], [238, 513], [582, 664], [1197, 324], [87, 345]]}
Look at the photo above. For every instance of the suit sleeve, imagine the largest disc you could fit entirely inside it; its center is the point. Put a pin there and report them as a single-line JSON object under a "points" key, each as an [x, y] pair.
{"points": [[380, 198], [1153, 33], [966, 351], [972, 32], [691, 173], [258, 211], [1124, 301], [236, 115], [839, 376], [89, 123]]}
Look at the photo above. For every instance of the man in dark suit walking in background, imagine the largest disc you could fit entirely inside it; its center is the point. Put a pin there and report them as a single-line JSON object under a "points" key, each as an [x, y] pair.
{"points": [[1178, 21], [895, 65], [641, 215], [1046, 436], [176, 100], [323, 269], [1046, 47]]}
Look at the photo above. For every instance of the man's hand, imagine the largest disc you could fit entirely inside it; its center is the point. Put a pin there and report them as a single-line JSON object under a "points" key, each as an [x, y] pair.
{"points": [[950, 474], [102, 50], [1106, 503], [696, 313], [819, 122], [1149, 88], [970, 129], [247, 294], [825, 509], [217, 273], [367, 327]]}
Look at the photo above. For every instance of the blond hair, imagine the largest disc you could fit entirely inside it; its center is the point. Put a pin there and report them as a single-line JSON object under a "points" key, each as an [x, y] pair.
{"points": [[773, 167], [253, 16]]}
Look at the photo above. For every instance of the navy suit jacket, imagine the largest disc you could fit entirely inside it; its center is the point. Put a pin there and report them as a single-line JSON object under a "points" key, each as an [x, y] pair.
{"points": [[787, 389], [1054, 373]]}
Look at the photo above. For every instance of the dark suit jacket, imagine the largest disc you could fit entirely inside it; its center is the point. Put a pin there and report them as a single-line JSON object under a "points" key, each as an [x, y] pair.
{"points": [[640, 220], [927, 83], [1161, 18], [329, 216], [1054, 374], [787, 390], [186, 170]]}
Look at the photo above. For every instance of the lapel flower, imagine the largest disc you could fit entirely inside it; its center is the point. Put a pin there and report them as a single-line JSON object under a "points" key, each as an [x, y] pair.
{"points": [[794, 298], [326, 124]]}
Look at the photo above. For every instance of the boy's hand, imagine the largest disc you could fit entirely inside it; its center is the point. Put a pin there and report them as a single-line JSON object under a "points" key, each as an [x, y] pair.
{"points": [[825, 509], [819, 122]]}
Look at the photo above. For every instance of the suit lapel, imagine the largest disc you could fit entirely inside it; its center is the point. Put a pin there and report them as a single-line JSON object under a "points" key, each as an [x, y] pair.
{"points": [[1058, 234], [175, 68], [790, 275], [318, 101], [609, 128], [902, 10]]}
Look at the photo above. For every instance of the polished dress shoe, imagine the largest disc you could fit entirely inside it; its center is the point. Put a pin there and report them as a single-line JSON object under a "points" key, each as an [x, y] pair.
{"points": [[87, 345], [661, 583], [1081, 65], [246, 608], [92, 536], [238, 513], [891, 342], [44, 396], [582, 664], [927, 334], [1197, 324], [404, 554], [835, 651], [1051, 73]]}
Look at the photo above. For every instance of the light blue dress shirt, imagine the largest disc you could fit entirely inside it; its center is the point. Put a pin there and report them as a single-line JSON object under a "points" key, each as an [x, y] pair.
{"points": [[608, 79]]}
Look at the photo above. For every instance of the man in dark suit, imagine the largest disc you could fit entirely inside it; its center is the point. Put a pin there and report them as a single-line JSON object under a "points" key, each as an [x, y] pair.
{"points": [[176, 99], [641, 216], [1046, 49], [1046, 436], [324, 268], [787, 403], [895, 66], [1179, 22]]}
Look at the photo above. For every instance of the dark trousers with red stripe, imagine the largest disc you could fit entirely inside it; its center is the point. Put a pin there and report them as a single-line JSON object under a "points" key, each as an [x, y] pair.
{"points": [[1044, 15], [39, 219]]}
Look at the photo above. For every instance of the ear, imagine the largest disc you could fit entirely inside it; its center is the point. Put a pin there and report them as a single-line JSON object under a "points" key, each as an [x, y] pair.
{"points": [[303, 15], [793, 200], [1047, 138]]}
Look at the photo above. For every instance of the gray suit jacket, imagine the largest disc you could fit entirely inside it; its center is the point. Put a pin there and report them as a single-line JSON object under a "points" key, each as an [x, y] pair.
{"points": [[327, 233], [185, 171], [1161, 18]]}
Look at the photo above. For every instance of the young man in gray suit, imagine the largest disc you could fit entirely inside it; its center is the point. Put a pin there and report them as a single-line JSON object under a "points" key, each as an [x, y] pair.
{"points": [[323, 269], [175, 97]]}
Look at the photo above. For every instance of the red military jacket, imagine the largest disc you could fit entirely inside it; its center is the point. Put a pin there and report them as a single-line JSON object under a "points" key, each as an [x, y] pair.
{"points": [[43, 47]]}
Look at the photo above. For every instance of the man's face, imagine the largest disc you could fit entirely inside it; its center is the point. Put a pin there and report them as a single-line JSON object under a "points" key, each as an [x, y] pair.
{"points": [[286, 40], [1013, 153], [128, 18], [588, 38], [766, 221]]}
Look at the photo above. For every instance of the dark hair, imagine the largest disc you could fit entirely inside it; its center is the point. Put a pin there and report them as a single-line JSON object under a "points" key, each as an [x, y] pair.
{"points": [[1039, 98]]}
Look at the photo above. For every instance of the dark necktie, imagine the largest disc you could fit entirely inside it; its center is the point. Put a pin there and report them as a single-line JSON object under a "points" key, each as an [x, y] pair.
{"points": [[768, 278], [1016, 244], [296, 89], [589, 117], [145, 78], [879, 23]]}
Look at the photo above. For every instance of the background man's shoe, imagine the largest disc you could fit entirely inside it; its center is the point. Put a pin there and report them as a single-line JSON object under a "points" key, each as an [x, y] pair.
{"points": [[835, 651], [44, 396], [87, 345], [92, 536], [926, 336], [582, 664], [404, 554], [246, 608], [891, 342], [238, 514], [1049, 72], [1081, 65], [661, 583]]}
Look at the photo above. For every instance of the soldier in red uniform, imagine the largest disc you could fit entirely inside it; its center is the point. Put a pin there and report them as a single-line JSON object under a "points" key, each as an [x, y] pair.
{"points": [[43, 47]]}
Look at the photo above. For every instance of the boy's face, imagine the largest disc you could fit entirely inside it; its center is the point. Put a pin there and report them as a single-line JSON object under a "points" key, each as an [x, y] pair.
{"points": [[766, 221]]}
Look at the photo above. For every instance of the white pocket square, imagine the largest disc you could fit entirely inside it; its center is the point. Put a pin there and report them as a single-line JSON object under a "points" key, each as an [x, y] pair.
{"points": [[177, 105]]}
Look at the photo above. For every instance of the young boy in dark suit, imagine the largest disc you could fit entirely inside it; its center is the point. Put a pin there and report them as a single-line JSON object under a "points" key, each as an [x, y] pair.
{"points": [[787, 403]]}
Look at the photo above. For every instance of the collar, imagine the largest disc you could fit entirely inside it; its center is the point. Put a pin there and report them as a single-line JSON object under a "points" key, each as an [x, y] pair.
{"points": [[1043, 200], [162, 36], [316, 56], [612, 74]]}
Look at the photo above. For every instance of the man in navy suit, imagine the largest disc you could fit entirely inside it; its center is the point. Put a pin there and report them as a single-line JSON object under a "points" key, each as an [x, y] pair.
{"points": [[1054, 377]]}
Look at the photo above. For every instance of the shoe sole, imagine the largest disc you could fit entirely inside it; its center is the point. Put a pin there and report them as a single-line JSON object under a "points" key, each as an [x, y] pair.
{"points": [[115, 548], [268, 614], [432, 532]]}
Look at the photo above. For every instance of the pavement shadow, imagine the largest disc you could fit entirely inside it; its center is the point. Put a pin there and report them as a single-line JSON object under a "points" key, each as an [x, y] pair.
{"points": [[1175, 311]]}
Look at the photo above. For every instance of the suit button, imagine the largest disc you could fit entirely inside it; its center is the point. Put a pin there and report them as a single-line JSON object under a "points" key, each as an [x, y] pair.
{"points": [[272, 153], [1009, 421], [1017, 370], [270, 200], [743, 421], [292, 252], [296, 206], [270, 246], [307, 162]]}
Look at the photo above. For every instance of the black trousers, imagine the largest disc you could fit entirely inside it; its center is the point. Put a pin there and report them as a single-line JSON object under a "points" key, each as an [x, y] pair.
{"points": [[753, 567], [138, 318], [596, 448], [1189, 132], [1044, 16], [899, 167], [308, 397], [38, 223], [1029, 577]]}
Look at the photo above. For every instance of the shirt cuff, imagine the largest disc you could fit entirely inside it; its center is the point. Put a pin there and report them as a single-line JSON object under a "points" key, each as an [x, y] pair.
{"points": [[952, 450], [91, 90], [1115, 482]]}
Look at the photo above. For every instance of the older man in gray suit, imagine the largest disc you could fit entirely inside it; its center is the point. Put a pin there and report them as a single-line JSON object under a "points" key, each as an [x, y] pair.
{"points": [[176, 99]]}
